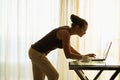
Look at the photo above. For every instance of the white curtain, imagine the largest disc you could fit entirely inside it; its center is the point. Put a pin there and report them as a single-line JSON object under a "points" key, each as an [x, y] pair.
{"points": [[23, 22], [103, 18], [67, 7]]}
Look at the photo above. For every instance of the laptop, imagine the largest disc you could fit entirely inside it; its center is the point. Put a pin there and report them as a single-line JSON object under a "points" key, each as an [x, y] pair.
{"points": [[106, 51]]}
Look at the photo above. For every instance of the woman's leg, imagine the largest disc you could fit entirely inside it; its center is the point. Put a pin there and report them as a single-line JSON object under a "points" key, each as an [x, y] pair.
{"points": [[48, 69], [37, 73], [40, 62]]}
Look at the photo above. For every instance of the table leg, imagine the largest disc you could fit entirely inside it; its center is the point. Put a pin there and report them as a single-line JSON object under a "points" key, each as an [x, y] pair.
{"points": [[98, 75], [81, 74], [114, 75]]}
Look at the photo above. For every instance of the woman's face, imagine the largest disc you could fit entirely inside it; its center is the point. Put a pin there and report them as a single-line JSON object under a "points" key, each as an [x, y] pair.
{"points": [[81, 31]]}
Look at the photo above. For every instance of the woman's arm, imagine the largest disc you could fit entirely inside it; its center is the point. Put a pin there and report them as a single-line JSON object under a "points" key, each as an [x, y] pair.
{"points": [[68, 50], [65, 37], [89, 54]]}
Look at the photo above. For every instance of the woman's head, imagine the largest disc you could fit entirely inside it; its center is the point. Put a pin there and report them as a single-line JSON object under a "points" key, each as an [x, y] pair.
{"points": [[79, 25], [78, 21]]}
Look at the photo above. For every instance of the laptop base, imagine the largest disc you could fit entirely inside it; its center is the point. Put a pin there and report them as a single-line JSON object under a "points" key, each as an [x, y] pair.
{"points": [[98, 59]]}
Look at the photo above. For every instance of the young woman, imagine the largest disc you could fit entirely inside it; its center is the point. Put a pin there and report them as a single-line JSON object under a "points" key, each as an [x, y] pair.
{"points": [[57, 38]]}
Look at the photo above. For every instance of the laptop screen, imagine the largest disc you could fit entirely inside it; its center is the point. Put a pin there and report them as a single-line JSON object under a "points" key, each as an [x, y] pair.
{"points": [[107, 50]]}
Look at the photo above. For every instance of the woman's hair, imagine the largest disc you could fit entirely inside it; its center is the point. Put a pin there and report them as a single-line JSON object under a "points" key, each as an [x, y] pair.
{"points": [[78, 21]]}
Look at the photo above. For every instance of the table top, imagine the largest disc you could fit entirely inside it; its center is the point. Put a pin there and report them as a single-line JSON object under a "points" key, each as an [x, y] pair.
{"points": [[94, 65]]}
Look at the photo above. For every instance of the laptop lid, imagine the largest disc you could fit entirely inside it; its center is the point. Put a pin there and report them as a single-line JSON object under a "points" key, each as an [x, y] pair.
{"points": [[105, 54], [107, 50]]}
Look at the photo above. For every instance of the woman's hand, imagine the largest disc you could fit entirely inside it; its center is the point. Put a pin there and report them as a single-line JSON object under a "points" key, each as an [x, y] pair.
{"points": [[90, 55]]}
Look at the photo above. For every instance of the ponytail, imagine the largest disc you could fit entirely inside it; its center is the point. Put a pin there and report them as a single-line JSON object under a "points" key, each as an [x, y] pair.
{"points": [[78, 21]]}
